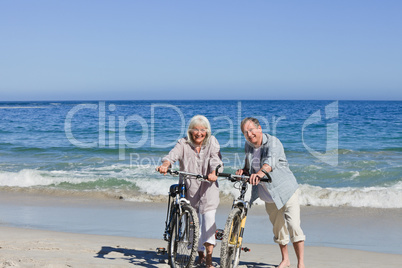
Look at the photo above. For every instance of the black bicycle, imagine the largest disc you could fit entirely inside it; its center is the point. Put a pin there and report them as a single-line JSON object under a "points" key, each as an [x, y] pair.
{"points": [[181, 225], [232, 238]]}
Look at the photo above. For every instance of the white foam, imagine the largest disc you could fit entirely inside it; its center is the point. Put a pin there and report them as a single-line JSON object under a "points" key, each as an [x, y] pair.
{"points": [[151, 183], [155, 186], [24, 178], [375, 197], [33, 177], [355, 174]]}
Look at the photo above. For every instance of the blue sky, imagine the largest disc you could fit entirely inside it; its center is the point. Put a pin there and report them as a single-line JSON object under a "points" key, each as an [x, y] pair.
{"points": [[226, 49]]}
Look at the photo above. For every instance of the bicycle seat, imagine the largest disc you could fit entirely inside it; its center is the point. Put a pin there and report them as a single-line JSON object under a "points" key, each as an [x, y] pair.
{"points": [[176, 188]]}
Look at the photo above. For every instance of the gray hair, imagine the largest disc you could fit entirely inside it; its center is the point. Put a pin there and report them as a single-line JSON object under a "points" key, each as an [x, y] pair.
{"points": [[252, 119], [199, 120]]}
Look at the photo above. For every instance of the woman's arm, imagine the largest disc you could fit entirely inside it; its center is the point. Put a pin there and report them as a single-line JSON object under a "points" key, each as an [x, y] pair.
{"points": [[175, 154]]}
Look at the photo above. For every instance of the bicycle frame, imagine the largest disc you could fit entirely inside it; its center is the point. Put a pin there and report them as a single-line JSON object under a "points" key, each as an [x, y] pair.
{"points": [[181, 224], [178, 191], [232, 238], [243, 206]]}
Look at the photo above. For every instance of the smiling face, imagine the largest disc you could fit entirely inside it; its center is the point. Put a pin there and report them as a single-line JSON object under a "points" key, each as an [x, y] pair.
{"points": [[198, 134], [252, 133]]}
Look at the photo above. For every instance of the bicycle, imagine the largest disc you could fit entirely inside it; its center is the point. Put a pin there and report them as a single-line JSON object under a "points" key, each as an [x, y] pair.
{"points": [[232, 238], [181, 225]]}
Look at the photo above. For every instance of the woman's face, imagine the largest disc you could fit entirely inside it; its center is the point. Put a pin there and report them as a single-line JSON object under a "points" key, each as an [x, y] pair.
{"points": [[198, 133]]}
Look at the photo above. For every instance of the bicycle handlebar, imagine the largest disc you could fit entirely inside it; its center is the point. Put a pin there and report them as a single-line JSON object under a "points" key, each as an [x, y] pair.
{"points": [[234, 178], [197, 176], [229, 176], [177, 172]]}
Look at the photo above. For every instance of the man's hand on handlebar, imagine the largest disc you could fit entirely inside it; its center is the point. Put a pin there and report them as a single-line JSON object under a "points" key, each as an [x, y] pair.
{"points": [[242, 172], [254, 179]]}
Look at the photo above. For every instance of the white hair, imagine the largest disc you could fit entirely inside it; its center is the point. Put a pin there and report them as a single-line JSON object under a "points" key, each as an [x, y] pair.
{"points": [[199, 120]]}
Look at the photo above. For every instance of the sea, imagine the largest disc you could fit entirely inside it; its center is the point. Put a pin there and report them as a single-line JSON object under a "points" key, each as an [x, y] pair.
{"points": [[343, 153]]}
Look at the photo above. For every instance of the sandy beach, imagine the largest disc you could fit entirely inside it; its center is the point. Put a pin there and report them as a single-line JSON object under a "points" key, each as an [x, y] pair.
{"points": [[38, 248], [29, 237]]}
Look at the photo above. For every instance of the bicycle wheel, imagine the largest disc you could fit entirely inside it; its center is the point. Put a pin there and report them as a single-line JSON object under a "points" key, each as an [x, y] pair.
{"points": [[230, 246], [184, 239]]}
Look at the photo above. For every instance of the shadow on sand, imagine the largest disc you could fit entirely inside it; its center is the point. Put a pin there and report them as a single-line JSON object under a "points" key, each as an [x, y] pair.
{"points": [[145, 258], [256, 265], [150, 258]]}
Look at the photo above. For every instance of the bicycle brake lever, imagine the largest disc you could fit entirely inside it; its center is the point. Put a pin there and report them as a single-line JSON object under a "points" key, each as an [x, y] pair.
{"points": [[217, 170], [203, 178], [173, 172]]}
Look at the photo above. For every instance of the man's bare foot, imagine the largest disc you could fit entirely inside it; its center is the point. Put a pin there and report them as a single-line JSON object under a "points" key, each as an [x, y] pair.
{"points": [[284, 264]]}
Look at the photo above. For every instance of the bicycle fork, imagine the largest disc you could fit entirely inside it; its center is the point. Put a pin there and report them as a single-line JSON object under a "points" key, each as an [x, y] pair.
{"points": [[237, 241]]}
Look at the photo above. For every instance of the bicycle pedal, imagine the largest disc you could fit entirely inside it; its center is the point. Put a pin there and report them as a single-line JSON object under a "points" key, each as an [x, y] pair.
{"points": [[219, 234], [161, 251], [246, 249]]}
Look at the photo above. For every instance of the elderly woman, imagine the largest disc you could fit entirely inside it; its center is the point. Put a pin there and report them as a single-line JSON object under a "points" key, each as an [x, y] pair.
{"points": [[199, 153]]}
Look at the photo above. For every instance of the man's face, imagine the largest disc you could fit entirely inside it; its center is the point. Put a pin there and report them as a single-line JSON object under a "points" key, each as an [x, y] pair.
{"points": [[252, 133]]}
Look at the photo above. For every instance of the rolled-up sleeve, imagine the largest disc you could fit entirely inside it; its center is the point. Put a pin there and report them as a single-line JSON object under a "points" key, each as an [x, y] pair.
{"points": [[274, 153]]}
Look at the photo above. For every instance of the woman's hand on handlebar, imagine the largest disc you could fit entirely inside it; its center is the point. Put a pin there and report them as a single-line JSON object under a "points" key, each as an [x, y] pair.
{"points": [[163, 168], [212, 177]]}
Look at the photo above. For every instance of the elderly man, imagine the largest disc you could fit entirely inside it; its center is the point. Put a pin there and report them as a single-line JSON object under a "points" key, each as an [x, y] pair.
{"points": [[265, 156]]}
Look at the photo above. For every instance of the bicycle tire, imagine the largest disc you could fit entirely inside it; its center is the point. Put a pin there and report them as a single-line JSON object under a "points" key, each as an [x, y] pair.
{"points": [[183, 242], [230, 247]]}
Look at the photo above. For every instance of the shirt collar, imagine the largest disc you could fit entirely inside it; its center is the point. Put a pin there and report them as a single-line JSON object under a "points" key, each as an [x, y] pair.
{"points": [[264, 138]]}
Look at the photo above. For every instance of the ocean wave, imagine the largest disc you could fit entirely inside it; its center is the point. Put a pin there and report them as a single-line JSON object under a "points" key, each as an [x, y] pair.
{"points": [[144, 184], [394, 149], [374, 197], [32, 177]]}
